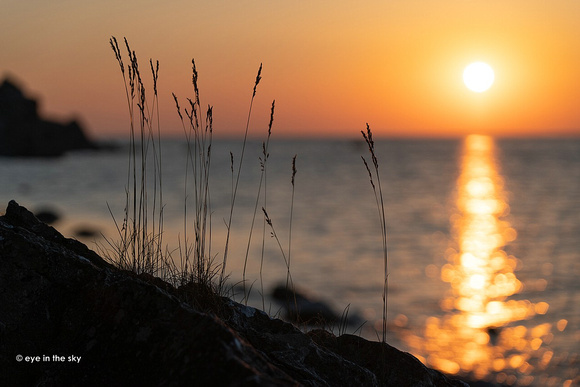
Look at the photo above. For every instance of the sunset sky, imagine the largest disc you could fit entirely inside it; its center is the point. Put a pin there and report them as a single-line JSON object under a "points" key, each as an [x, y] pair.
{"points": [[331, 66]]}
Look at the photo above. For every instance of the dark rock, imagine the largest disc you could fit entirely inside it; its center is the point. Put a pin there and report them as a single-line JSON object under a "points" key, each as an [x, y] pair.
{"points": [[391, 366], [24, 134], [19, 217], [58, 298]]}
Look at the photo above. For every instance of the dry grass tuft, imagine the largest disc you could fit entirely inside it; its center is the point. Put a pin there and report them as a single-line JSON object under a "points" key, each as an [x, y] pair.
{"points": [[139, 247], [140, 233], [140, 244]]}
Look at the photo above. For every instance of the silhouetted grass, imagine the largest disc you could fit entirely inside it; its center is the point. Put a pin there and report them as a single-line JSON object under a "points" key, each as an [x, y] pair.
{"points": [[378, 192], [195, 256], [263, 179], [140, 244], [237, 180], [139, 247], [289, 282]]}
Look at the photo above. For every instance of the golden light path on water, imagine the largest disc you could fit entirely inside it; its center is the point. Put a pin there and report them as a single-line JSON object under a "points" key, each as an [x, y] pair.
{"points": [[479, 334]]}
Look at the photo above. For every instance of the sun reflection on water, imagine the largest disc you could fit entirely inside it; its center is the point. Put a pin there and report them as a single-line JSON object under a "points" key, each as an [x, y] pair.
{"points": [[479, 333]]}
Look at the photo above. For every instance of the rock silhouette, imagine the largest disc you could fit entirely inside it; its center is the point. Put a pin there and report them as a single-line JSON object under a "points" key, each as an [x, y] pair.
{"points": [[23, 133], [85, 322], [300, 308]]}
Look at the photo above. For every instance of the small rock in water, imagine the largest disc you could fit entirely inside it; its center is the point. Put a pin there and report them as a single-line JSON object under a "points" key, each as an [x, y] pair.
{"points": [[86, 232], [47, 216], [300, 308]]}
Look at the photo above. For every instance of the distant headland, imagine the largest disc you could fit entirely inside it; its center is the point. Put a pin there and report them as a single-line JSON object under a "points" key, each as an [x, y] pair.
{"points": [[23, 133]]}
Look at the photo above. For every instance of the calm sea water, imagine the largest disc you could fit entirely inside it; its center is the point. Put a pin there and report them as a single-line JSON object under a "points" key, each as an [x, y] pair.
{"points": [[336, 250]]}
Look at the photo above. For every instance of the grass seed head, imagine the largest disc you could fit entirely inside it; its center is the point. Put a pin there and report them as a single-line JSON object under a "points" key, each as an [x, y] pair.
{"points": [[155, 72], [177, 105], [271, 118], [194, 81], [117, 51], [209, 119], [293, 169], [258, 78]]}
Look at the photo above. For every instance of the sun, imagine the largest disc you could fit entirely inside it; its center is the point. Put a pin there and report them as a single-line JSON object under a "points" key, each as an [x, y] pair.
{"points": [[478, 76]]}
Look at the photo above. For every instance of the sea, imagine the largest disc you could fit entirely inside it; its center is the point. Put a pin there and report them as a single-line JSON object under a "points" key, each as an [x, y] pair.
{"points": [[482, 236]]}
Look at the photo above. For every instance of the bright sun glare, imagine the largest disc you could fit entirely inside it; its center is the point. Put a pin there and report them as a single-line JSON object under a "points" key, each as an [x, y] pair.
{"points": [[478, 76]]}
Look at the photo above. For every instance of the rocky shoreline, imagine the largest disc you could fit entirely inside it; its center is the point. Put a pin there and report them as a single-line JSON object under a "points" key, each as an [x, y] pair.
{"points": [[68, 317]]}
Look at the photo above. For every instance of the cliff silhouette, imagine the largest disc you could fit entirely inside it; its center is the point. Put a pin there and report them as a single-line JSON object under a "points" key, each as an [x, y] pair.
{"points": [[23, 133]]}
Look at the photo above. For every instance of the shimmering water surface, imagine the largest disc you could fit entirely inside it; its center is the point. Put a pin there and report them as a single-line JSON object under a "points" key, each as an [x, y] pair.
{"points": [[483, 238]]}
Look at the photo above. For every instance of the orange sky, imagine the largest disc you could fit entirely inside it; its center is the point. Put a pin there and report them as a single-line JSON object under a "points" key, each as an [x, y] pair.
{"points": [[332, 66]]}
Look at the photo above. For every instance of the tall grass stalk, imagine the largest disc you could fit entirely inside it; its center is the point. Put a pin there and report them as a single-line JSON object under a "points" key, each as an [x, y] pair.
{"points": [[235, 188], [157, 209], [286, 257], [291, 218], [140, 246], [263, 179], [378, 192]]}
